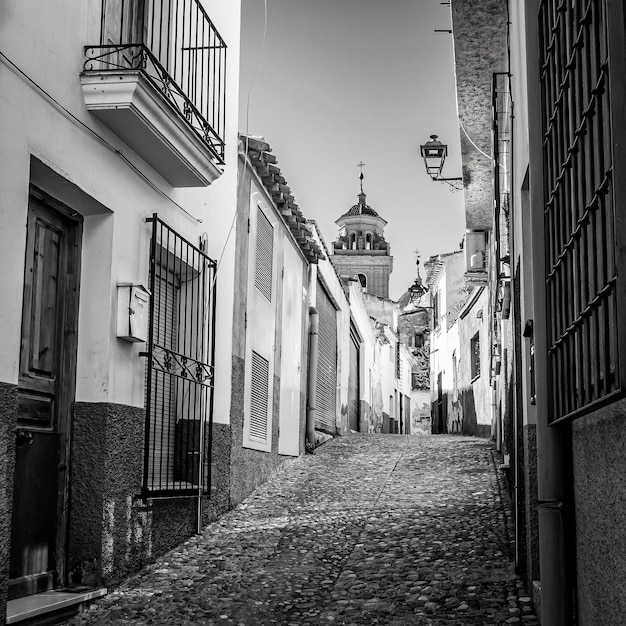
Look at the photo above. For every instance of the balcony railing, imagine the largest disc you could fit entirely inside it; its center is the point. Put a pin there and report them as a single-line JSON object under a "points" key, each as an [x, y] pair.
{"points": [[174, 44]]}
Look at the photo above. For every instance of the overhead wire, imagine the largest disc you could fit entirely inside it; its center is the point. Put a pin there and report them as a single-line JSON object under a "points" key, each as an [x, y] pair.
{"points": [[247, 134]]}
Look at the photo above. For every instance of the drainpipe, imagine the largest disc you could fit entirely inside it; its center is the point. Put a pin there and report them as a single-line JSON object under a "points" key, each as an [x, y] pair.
{"points": [[312, 378], [552, 441]]}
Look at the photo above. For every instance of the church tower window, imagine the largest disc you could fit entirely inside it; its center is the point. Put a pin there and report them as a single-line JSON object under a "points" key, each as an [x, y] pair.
{"points": [[363, 280]]}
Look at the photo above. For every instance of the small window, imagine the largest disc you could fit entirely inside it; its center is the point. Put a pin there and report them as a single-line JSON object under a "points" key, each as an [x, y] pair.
{"points": [[363, 280], [419, 339], [368, 241], [475, 356], [352, 241]]}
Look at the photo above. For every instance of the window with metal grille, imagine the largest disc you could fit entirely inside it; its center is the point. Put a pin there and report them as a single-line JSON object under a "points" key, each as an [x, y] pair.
{"points": [[179, 373], [582, 97], [475, 356], [259, 397], [264, 256]]}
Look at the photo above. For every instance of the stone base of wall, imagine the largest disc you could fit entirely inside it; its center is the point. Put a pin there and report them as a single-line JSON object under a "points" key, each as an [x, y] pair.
{"points": [[530, 504], [599, 483], [8, 420], [113, 533]]}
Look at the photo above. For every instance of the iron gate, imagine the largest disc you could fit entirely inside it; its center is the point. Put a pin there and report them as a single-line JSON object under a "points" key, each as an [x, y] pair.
{"points": [[180, 369]]}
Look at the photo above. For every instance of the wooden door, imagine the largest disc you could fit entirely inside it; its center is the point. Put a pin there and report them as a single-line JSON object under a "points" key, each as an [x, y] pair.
{"points": [[45, 397], [291, 353]]}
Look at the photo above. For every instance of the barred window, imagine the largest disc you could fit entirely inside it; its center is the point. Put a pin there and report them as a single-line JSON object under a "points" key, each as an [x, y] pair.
{"points": [[582, 107], [180, 367]]}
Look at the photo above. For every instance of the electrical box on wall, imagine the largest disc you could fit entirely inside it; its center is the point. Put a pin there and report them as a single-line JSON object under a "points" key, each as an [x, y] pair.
{"points": [[133, 307]]}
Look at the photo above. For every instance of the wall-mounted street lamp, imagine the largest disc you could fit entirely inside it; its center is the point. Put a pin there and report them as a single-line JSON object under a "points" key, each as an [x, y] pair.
{"points": [[434, 154], [417, 289]]}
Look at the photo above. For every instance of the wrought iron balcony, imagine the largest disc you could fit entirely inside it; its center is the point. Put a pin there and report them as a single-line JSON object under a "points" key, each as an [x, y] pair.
{"points": [[158, 79]]}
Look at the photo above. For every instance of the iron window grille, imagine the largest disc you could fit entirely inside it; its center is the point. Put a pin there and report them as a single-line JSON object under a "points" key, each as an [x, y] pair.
{"points": [[582, 100], [175, 45], [180, 367]]}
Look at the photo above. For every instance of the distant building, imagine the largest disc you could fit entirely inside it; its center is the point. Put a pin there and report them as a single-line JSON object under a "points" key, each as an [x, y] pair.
{"points": [[361, 250]]}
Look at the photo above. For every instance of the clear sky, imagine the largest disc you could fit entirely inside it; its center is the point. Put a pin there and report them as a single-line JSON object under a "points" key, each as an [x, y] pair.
{"points": [[341, 81]]}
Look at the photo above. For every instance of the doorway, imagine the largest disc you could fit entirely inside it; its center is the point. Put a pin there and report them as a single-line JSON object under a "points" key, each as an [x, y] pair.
{"points": [[47, 376]]}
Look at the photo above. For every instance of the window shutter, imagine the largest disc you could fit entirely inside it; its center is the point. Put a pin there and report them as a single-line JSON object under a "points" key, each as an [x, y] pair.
{"points": [[259, 401], [264, 258], [163, 392]]}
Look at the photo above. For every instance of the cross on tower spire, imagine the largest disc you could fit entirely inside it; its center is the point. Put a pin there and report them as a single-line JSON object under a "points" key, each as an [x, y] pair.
{"points": [[361, 164]]}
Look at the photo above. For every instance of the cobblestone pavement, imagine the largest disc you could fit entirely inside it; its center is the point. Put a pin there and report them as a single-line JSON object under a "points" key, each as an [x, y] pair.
{"points": [[372, 529]]}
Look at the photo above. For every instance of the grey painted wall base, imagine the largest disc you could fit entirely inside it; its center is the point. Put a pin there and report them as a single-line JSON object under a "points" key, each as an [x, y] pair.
{"points": [[530, 504], [599, 460], [8, 420], [250, 468]]}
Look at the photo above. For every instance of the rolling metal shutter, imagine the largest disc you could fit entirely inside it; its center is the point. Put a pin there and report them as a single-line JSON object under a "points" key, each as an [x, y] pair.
{"points": [[326, 389], [353, 383]]}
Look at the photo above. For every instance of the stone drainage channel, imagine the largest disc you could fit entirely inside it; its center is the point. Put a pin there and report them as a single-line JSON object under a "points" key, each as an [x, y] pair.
{"points": [[371, 529]]}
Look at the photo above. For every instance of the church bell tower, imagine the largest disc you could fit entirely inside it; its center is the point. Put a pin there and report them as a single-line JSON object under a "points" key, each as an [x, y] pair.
{"points": [[360, 250]]}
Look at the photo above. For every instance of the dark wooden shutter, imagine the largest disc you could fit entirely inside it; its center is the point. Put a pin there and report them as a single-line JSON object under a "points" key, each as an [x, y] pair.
{"points": [[326, 389], [163, 392]]}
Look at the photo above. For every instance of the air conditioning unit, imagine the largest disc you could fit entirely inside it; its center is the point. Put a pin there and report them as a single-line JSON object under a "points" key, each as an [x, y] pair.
{"points": [[475, 250], [476, 256]]}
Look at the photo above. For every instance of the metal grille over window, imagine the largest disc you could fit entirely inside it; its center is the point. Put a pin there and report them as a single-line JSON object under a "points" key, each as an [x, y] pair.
{"points": [[579, 210], [259, 397], [179, 387], [175, 45], [264, 259]]}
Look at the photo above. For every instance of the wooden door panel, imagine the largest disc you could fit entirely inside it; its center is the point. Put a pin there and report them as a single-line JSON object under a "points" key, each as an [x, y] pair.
{"points": [[45, 396], [35, 504]]}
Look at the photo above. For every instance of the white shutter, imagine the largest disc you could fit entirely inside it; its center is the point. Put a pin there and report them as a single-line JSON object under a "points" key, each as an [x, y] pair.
{"points": [[264, 257], [259, 400]]}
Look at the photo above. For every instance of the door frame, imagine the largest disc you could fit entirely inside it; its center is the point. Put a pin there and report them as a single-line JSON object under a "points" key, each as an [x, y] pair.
{"points": [[65, 388]]}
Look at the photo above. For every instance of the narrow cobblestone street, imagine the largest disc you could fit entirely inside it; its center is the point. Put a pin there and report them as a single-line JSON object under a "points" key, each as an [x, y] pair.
{"points": [[372, 529]]}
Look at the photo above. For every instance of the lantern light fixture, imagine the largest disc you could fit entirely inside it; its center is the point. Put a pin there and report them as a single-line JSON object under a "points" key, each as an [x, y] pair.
{"points": [[434, 154]]}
